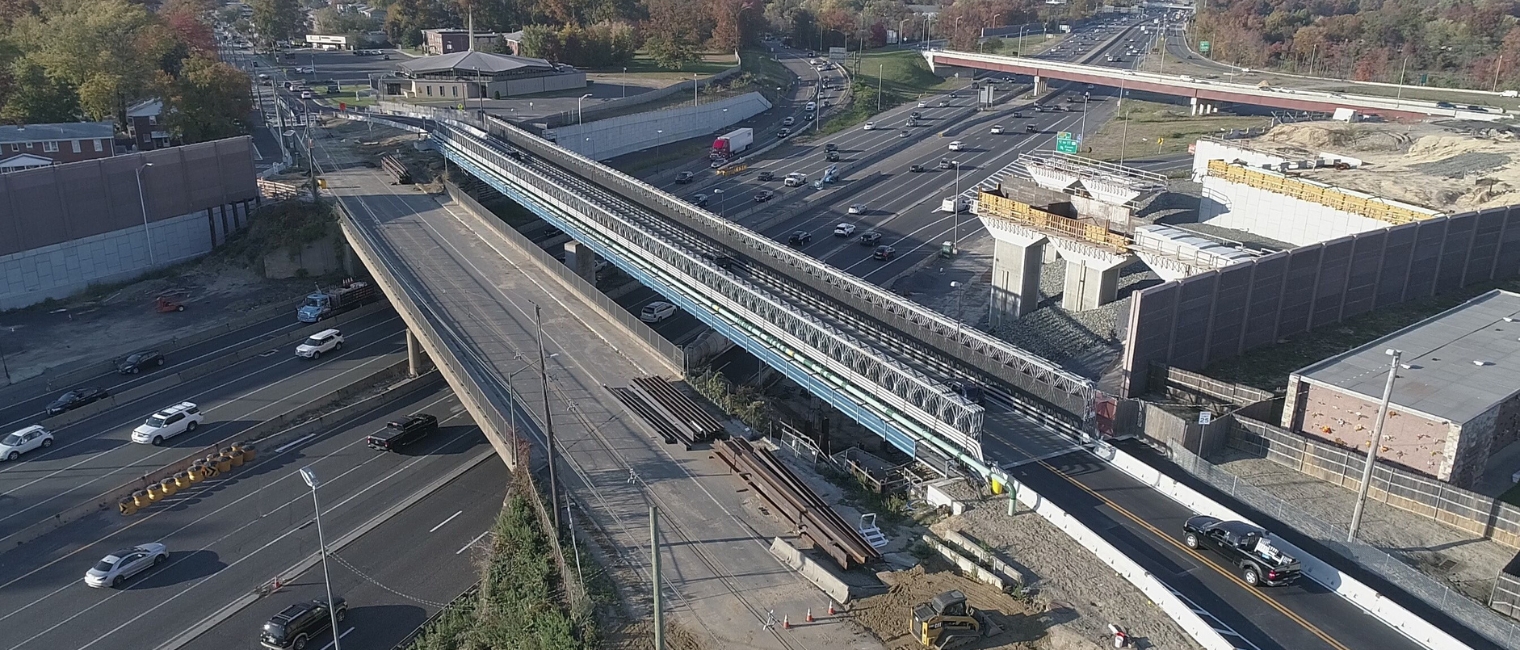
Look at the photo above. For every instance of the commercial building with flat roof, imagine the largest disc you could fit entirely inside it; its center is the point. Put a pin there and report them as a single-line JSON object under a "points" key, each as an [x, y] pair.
{"points": [[1454, 400], [474, 74]]}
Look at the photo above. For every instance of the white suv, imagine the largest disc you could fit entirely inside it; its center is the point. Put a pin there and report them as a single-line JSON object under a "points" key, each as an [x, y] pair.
{"points": [[168, 423], [323, 341]]}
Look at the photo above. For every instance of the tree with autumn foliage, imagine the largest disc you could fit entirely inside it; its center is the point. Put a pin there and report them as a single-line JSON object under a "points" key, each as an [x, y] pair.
{"points": [[207, 101]]}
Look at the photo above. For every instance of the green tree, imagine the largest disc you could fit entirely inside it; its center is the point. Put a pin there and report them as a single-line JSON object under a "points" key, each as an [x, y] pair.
{"points": [[278, 20], [540, 42], [675, 30], [407, 18], [113, 51], [208, 101], [38, 98]]}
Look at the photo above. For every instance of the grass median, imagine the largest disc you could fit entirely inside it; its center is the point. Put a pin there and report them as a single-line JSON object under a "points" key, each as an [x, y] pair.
{"points": [[1143, 129], [900, 76]]}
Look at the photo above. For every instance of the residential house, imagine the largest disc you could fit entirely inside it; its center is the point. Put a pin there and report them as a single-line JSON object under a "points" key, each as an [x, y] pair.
{"points": [[449, 41], [143, 125], [39, 145]]}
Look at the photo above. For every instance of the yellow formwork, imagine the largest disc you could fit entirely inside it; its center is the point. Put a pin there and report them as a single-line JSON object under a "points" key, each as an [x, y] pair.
{"points": [[1088, 231], [1330, 197]]}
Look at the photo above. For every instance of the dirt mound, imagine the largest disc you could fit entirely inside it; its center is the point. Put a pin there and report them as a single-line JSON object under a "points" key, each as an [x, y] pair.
{"points": [[889, 615]]}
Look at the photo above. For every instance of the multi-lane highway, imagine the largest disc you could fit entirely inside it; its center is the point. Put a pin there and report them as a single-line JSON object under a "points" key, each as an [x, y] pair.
{"points": [[95, 455], [228, 536]]}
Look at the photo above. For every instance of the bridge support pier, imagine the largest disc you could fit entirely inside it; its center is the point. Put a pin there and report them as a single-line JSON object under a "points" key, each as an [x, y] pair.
{"points": [[1017, 255], [1039, 86], [416, 357], [581, 260], [1202, 108], [1092, 275]]}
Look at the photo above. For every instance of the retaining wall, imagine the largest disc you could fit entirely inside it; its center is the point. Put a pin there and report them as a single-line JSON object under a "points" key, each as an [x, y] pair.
{"points": [[615, 136]]}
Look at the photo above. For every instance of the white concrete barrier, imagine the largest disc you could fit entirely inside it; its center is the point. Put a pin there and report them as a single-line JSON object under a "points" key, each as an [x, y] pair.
{"points": [[793, 559], [1394, 615]]}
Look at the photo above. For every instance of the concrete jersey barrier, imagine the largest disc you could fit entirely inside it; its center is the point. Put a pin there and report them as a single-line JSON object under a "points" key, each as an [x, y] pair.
{"points": [[1368, 599]]}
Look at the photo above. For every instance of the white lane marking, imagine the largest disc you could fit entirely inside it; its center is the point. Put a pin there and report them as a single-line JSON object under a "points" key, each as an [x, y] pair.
{"points": [[334, 642], [466, 547], [293, 443], [441, 523]]}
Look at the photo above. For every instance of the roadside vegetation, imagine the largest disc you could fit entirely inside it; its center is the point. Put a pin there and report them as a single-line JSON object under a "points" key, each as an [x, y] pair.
{"points": [[1143, 129], [518, 603], [904, 76]]}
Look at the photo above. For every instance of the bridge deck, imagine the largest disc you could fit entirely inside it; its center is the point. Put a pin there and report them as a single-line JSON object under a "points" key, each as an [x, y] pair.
{"points": [[468, 282]]}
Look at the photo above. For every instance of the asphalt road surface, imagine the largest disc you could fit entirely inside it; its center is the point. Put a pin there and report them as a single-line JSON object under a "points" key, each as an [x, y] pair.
{"points": [[226, 537]]}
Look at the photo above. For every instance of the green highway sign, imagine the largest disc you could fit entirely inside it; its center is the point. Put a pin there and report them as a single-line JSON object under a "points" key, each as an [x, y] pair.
{"points": [[1065, 143], [1203, 47]]}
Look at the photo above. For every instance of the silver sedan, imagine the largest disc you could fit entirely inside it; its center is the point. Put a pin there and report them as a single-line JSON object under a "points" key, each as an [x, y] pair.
{"points": [[111, 570]]}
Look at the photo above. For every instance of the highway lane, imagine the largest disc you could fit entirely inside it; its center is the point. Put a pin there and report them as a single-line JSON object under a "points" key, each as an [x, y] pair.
{"points": [[226, 537], [96, 454], [401, 571], [24, 403]]}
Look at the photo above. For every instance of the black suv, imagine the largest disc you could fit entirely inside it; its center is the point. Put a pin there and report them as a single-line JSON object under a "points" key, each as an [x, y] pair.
{"points": [[295, 626], [401, 433], [765, 176], [685, 177], [870, 239], [799, 238], [833, 156], [135, 362], [831, 147]]}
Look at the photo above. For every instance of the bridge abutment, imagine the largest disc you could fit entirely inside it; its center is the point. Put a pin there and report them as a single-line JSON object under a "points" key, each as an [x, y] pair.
{"points": [[581, 260], [1039, 86]]}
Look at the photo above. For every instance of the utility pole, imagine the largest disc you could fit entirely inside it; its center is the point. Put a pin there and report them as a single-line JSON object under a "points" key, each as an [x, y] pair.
{"points": [[1377, 439], [543, 374], [654, 565], [1498, 65], [1399, 98]]}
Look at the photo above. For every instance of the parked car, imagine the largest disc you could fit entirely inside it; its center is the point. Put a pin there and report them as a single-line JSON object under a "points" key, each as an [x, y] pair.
{"points": [[799, 238], [844, 230], [75, 398], [25, 440], [135, 362], [765, 176], [764, 195], [115, 568], [685, 177], [1243, 545], [401, 433], [170, 422], [857, 208], [870, 239], [295, 625], [328, 340], [884, 253], [657, 311]]}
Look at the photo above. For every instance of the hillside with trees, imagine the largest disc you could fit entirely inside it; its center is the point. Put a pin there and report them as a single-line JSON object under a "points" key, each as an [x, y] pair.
{"points": [[71, 60], [1462, 43]]}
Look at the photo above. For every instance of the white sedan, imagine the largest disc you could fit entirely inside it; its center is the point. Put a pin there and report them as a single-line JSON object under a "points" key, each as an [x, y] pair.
{"points": [[845, 229], [657, 311], [857, 208], [997, 129], [111, 570], [956, 146]]}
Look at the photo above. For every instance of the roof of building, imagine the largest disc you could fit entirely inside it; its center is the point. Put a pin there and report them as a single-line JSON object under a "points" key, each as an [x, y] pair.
{"points": [[472, 61], [1455, 365], [146, 108], [60, 131]]}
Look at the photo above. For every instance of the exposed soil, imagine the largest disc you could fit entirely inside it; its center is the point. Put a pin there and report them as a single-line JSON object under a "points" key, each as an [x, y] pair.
{"points": [[888, 615]]}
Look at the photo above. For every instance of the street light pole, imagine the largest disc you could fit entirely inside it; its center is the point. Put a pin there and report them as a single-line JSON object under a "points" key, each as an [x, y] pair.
{"points": [[310, 476], [580, 113], [142, 200], [625, 83], [1377, 439], [879, 68], [543, 373], [955, 211]]}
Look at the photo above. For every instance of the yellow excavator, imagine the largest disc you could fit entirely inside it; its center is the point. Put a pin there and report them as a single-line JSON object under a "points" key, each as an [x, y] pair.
{"points": [[946, 621]]}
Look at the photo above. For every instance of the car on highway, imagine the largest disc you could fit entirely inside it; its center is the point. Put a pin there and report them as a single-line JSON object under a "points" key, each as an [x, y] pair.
{"points": [[657, 311], [400, 433], [857, 208], [328, 340], [969, 391], [956, 145], [831, 147], [870, 239], [943, 103], [915, 168], [765, 176], [783, 133], [717, 163], [789, 121], [923, 104], [306, 94], [699, 200], [1445, 105], [75, 398], [1476, 108], [997, 129], [685, 177], [764, 195], [884, 253], [170, 422], [135, 362], [799, 238], [915, 115], [832, 156], [115, 568], [295, 625], [870, 126], [808, 116], [25, 440], [903, 133], [1243, 545], [811, 106], [944, 163], [844, 229], [1030, 128], [794, 179]]}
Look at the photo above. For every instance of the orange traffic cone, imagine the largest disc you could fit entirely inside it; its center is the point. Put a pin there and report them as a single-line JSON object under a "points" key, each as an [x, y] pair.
{"points": [[786, 623], [810, 615], [832, 611]]}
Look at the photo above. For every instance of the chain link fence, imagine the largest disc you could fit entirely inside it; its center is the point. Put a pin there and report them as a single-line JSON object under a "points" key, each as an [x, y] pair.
{"points": [[1473, 614]]}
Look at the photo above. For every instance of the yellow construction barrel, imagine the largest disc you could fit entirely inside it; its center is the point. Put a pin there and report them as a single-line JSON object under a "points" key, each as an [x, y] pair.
{"points": [[168, 486], [127, 506], [223, 464], [155, 492], [249, 451], [141, 499], [235, 454], [204, 469], [183, 480]]}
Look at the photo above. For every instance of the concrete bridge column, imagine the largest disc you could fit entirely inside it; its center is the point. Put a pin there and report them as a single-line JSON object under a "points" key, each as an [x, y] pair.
{"points": [[1018, 253], [416, 357], [1193, 106], [582, 260], [1039, 85], [1092, 274]]}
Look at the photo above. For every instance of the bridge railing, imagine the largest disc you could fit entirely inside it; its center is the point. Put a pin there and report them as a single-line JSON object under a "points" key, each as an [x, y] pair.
{"points": [[1070, 393], [895, 392]]}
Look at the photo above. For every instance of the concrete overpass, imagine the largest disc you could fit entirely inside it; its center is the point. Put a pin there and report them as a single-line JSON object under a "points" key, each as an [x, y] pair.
{"points": [[1205, 95]]}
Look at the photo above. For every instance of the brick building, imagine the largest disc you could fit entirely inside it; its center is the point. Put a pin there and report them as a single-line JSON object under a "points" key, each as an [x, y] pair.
{"points": [[143, 125], [1456, 399], [449, 41], [40, 145]]}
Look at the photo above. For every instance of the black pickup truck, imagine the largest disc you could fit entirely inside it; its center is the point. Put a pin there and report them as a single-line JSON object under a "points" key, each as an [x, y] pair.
{"points": [[1244, 546], [401, 433]]}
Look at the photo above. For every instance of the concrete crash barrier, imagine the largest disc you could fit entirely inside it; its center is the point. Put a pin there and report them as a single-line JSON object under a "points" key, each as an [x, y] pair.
{"points": [[999, 567], [968, 566], [1368, 599], [816, 573]]}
